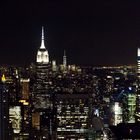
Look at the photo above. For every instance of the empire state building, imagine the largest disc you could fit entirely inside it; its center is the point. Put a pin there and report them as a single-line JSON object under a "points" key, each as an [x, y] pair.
{"points": [[42, 54], [41, 118], [42, 70]]}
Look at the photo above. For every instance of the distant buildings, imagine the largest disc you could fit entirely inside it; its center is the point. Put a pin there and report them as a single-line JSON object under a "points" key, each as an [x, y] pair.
{"points": [[59, 101], [65, 98]]}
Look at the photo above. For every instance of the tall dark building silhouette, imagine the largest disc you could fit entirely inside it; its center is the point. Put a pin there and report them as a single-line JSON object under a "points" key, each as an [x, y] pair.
{"points": [[4, 110]]}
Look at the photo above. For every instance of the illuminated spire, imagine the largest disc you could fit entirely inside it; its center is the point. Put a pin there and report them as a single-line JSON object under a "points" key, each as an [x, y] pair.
{"points": [[42, 53], [3, 79], [64, 59], [138, 62], [42, 39], [64, 53], [138, 52]]}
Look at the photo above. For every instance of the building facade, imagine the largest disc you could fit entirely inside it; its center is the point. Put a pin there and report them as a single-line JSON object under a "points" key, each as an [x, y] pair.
{"points": [[73, 117]]}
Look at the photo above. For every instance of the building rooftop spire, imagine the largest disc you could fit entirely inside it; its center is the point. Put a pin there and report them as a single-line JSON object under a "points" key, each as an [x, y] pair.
{"points": [[64, 53], [64, 59], [42, 39], [42, 53]]}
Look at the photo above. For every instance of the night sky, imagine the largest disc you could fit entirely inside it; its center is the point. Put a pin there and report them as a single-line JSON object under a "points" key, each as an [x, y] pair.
{"points": [[92, 33]]}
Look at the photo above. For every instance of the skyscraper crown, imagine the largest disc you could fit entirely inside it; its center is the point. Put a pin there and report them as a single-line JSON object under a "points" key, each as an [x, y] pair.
{"points": [[42, 54]]}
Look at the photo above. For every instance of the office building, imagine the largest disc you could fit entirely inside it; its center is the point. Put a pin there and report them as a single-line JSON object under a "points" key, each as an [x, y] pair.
{"points": [[73, 115], [116, 114]]}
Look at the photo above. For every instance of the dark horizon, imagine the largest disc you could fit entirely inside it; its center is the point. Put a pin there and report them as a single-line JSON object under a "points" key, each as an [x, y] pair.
{"points": [[92, 33]]}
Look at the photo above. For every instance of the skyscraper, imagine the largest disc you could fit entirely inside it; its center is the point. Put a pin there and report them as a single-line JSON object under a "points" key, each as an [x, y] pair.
{"points": [[4, 110], [64, 59], [41, 98], [42, 70], [138, 62]]}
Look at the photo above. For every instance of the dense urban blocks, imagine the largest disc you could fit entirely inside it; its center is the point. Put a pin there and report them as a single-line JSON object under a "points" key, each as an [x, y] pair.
{"points": [[60, 101]]}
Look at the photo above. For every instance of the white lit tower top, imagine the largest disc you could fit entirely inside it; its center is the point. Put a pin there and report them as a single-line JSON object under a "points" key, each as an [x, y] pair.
{"points": [[42, 54], [138, 62], [64, 59]]}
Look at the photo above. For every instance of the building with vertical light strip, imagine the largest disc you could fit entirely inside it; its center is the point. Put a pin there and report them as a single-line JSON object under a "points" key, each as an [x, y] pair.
{"points": [[64, 60], [138, 62], [116, 114], [131, 99], [41, 118]]}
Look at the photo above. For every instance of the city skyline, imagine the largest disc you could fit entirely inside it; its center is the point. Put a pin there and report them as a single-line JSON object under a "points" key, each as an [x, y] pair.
{"points": [[91, 33]]}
